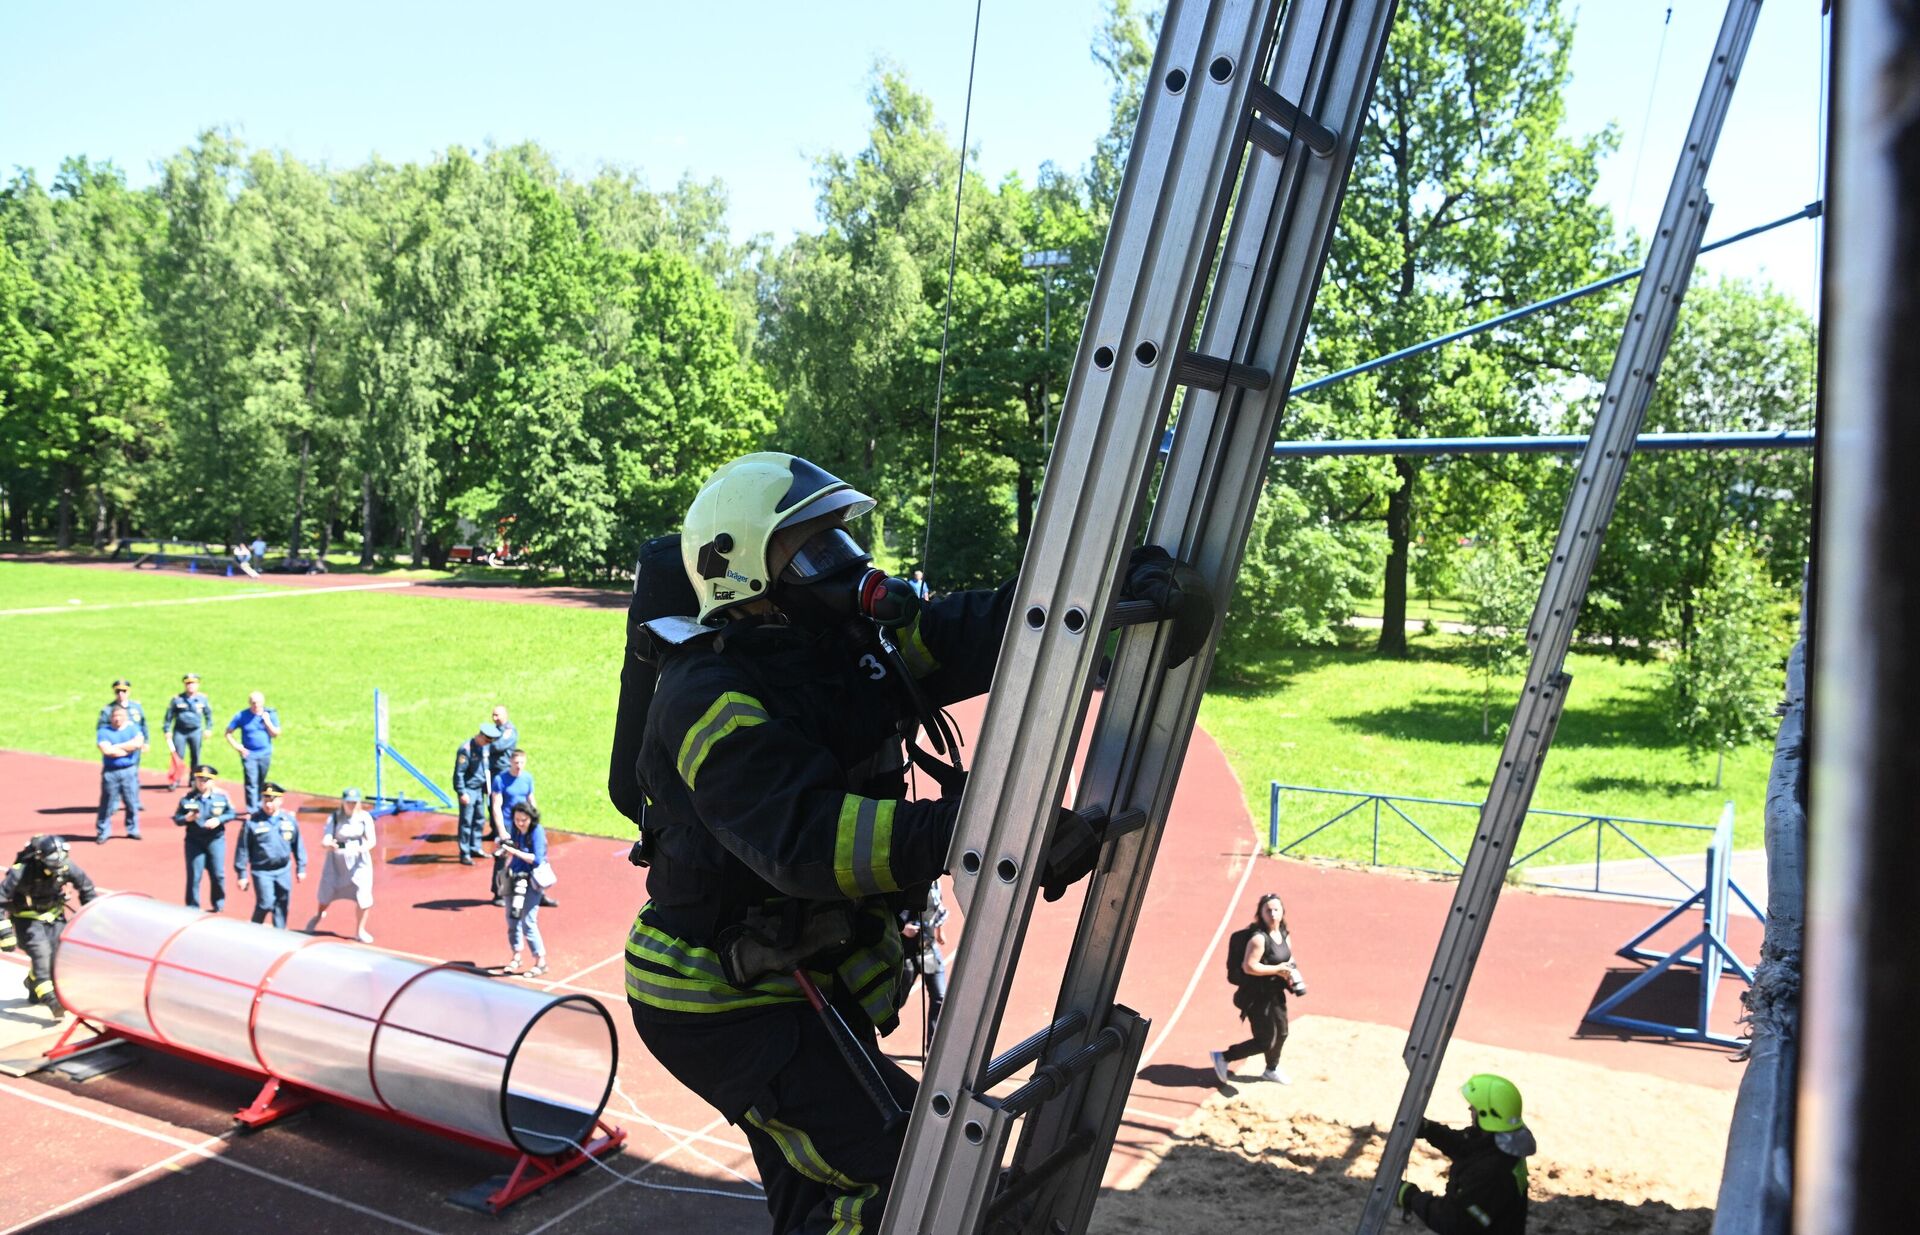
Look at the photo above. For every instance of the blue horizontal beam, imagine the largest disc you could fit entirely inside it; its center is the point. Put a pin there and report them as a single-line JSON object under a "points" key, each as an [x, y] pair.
{"points": [[1417, 447], [1809, 211]]}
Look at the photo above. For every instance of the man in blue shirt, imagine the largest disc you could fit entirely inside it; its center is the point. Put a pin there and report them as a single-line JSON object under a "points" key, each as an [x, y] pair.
{"points": [[510, 787], [499, 758], [205, 813], [123, 698], [120, 742], [189, 717], [257, 726], [470, 785], [269, 843]]}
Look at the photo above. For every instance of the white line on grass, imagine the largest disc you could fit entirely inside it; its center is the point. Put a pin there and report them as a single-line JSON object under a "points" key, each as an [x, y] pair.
{"points": [[209, 600], [118, 1184], [210, 1156], [1206, 959]]}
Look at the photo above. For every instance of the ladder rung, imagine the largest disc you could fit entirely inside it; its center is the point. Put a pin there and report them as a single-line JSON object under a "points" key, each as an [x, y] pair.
{"points": [[1274, 106], [1133, 613], [1028, 1181], [1217, 373], [1051, 1080], [1023, 1053]]}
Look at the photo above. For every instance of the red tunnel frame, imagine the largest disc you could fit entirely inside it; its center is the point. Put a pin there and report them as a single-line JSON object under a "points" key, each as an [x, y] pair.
{"points": [[279, 1098]]}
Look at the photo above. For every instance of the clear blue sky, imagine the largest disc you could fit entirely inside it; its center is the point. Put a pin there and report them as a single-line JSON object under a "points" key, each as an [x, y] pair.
{"points": [[751, 92]]}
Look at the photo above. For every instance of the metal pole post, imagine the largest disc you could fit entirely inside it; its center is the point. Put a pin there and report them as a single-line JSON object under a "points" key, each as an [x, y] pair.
{"points": [[1273, 816], [1862, 974], [1046, 362]]}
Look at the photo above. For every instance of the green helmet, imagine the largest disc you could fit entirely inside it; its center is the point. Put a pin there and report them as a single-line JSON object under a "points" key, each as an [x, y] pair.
{"points": [[723, 543], [1495, 1101]]}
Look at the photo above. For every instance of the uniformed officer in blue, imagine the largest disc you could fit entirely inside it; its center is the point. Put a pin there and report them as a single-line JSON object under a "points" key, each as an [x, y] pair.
{"points": [[189, 718], [777, 826], [257, 727], [120, 742], [123, 698], [270, 846], [473, 787], [205, 813]]}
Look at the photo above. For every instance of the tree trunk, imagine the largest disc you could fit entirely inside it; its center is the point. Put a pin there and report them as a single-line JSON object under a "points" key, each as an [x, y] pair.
{"points": [[100, 518], [417, 537], [63, 524], [326, 524], [367, 505], [299, 496], [1719, 765], [1393, 614]]}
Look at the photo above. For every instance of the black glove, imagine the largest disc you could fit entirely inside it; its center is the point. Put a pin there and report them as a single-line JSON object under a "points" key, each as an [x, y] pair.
{"points": [[1405, 1196], [1428, 1128], [1071, 855], [887, 601], [1178, 591]]}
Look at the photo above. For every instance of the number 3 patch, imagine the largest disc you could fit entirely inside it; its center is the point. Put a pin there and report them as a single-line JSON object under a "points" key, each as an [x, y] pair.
{"points": [[875, 670]]}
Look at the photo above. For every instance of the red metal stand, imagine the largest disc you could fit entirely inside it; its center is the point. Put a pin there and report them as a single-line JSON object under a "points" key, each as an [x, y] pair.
{"points": [[65, 1046], [534, 1172], [275, 1101]]}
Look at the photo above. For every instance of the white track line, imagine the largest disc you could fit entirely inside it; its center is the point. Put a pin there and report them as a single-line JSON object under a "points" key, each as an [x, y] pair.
{"points": [[190, 1147], [210, 600], [1206, 959], [573, 977], [633, 1108], [117, 1184], [633, 1177]]}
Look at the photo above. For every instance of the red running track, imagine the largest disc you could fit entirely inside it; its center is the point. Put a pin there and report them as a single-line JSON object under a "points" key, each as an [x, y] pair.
{"points": [[1366, 940]]}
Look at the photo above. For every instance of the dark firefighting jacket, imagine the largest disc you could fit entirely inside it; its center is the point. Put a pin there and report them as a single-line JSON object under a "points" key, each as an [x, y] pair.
{"points": [[29, 890], [1486, 1186], [775, 771]]}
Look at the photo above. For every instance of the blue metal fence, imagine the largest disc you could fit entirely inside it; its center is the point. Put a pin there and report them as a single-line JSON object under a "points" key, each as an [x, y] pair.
{"points": [[1398, 811]]}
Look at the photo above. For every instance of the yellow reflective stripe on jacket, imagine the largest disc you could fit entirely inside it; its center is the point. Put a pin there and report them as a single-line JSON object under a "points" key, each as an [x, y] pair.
{"points": [[41, 915], [671, 974], [729, 712], [914, 652], [849, 1207], [863, 847]]}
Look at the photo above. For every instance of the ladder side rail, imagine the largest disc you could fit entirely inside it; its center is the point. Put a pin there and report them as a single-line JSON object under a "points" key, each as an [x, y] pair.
{"points": [[1283, 222], [1590, 504], [1171, 208]]}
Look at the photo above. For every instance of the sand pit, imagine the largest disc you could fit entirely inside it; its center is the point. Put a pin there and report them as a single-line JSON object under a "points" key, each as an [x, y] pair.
{"points": [[1620, 1152]]}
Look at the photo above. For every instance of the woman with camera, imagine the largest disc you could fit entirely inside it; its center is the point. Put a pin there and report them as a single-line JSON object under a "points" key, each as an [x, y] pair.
{"points": [[1263, 971], [526, 876]]}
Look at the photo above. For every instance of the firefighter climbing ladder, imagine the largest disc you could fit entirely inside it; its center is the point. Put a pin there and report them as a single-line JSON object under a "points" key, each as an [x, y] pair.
{"points": [[1239, 109], [1596, 484]]}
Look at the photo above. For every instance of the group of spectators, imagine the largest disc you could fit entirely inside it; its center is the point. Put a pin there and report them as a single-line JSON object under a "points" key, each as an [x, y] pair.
{"points": [[494, 788]]}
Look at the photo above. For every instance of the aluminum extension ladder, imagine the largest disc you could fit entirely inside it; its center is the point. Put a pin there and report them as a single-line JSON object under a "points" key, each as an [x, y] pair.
{"points": [[1240, 110], [1596, 486]]}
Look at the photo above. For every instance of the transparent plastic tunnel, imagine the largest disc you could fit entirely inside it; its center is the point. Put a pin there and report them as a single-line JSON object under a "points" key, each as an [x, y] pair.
{"points": [[507, 1065]]}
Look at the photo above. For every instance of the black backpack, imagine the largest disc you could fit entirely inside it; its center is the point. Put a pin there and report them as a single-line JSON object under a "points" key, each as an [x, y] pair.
{"points": [[1236, 953], [660, 589]]}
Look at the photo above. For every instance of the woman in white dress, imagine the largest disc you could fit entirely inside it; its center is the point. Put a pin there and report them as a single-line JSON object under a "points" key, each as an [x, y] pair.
{"points": [[348, 873]]}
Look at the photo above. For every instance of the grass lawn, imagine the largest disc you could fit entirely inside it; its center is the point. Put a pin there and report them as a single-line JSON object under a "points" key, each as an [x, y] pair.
{"points": [[1419, 608], [1336, 718], [443, 662], [1341, 718]]}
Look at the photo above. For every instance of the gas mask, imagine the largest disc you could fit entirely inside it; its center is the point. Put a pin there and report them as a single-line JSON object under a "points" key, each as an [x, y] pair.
{"points": [[830, 581]]}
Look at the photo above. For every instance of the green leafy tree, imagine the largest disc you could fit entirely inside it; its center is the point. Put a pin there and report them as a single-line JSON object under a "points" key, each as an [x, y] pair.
{"points": [[1722, 686], [1465, 200], [1500, 587], [1742, 359]]}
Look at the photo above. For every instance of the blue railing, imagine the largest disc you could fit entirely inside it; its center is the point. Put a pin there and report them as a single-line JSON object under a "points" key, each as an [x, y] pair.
{"points": [[1397, 811]]}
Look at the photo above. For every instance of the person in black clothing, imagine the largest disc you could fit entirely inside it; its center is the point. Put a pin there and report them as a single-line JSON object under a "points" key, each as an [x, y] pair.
{"points": [[760, 747], [1261, 966], [33, 893], [1487, 1182]]}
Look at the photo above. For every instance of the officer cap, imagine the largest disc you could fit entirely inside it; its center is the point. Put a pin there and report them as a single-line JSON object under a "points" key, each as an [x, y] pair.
{"points": [[205, 769], [119, 682], [191, 677], [349, 795], [490, 731], [271, 790]]}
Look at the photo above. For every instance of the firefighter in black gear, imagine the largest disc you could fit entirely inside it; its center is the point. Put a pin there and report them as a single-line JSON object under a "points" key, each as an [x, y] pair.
{"points": [[34, 894], [1487, 1183], [771, 771]]}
